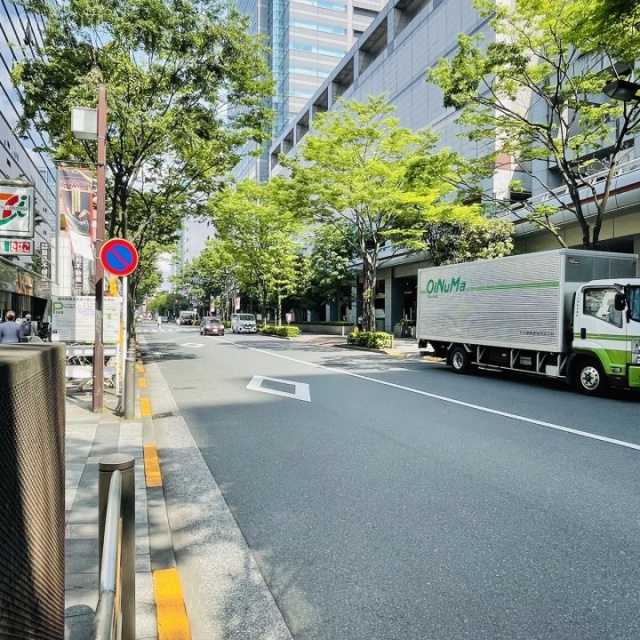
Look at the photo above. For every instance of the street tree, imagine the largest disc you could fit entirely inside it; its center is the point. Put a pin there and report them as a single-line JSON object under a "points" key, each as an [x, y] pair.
{"points": [[483, 239], [263, 234], [328, 269], [535, 95], [356, 172], [168, 304], [187, 87], [214, 273], [149, 277]]}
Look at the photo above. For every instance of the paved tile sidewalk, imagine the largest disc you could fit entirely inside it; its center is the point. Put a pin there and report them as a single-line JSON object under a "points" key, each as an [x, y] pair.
{"points": [[89, 437]]}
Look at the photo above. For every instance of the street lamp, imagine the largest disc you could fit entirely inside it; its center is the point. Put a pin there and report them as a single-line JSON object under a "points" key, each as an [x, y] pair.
{"points": [[85, 126], [624, 90]]}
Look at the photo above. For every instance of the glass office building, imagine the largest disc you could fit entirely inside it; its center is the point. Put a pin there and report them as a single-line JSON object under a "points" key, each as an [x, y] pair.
{"points": [[26, 281], [307, 39]]}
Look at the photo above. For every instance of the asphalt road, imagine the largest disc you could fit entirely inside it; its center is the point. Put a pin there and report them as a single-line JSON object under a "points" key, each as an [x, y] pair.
{"points": [[388, 498]]}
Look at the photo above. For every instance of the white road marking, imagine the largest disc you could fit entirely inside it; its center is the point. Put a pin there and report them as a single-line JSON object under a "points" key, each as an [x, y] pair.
{"points": [[300, 390], [468, 405], [192, 345], [377, 369]]}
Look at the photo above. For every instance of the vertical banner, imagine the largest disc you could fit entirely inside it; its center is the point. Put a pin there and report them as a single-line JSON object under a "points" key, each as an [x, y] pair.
{"points": [[45, 264], [24, 284], [78, 272], [75, 195]]}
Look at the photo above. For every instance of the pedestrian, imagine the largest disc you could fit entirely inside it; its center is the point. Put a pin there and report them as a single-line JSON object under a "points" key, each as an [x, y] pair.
{"points": [[159, 322], [10, 330], [27, 329]]}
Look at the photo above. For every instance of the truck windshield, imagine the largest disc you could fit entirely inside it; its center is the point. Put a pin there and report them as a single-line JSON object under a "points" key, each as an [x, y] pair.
{"points": [[634, 303]]}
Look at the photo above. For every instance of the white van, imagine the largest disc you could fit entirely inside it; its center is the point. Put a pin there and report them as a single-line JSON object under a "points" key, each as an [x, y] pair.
{"points": [[243, 323]]}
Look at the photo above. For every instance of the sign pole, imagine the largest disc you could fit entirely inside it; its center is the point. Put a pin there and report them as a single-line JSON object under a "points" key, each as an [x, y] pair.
{"points": [[120, 258], [125, 293], [101, 156]]}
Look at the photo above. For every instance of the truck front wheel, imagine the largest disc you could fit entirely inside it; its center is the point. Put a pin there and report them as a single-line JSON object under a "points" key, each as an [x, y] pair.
{"points": [[460, 361], [589, 377]]}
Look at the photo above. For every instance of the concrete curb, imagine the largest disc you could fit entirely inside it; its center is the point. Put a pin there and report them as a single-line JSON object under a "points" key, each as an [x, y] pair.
{"points": [[171, 614]]}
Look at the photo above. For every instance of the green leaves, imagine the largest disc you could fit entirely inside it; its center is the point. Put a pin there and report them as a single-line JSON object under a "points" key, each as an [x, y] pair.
{"points": [[375, 183], [186, 87], [263, 234], [534, 95]]}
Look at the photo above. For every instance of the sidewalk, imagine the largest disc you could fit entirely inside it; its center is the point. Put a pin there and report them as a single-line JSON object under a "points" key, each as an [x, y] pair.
{"points": [[90, 437]]}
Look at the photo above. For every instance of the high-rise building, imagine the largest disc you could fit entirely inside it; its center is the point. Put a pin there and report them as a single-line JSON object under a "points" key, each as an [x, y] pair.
{"points": [[392, 58], [307, 39], [26, 281]]}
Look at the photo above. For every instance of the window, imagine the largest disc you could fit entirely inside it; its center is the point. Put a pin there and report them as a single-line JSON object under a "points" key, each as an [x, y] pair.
{"points": [[325, 4], [599, 303], [307, 71], [319, 26], [312, 48], [634, 303]]}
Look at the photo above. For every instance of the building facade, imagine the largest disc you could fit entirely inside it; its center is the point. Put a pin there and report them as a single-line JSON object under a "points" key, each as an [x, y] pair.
{"points": [[26, 281], [307, 39], [392, 57]]}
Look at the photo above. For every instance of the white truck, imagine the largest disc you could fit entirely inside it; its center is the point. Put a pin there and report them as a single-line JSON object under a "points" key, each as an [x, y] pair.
{"points": [[566, 314], [187, 317]]}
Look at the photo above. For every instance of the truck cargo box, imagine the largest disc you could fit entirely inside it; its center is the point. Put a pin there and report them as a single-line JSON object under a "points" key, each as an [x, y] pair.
{"points": [[519, 302]]}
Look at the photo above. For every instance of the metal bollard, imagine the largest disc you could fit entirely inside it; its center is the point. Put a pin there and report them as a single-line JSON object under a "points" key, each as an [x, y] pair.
{"points": [[107, 466], [130, 384]]}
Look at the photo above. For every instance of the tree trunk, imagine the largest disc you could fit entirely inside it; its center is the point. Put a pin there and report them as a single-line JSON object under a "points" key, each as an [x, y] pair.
{"points": [[368, 298]]}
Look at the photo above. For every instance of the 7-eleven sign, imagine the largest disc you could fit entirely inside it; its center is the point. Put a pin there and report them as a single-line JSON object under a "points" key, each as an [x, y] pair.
{"points": [[16, 211]]}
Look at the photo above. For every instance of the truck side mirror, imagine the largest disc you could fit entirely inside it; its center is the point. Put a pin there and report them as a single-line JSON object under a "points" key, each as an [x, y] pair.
{"points": [[620, 302]]}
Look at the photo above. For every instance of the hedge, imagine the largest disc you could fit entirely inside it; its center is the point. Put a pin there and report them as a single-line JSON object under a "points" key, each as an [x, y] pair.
{"points": [[282, 331], [327, 323], [370, 339]]}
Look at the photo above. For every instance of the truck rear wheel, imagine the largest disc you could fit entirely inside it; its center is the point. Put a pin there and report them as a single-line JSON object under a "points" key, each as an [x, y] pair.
{"points": [[589, 377], [460, 361]]}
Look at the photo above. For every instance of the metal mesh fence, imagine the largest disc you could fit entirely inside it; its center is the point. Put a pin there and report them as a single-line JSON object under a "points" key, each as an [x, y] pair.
{"points": [[32, 468]]}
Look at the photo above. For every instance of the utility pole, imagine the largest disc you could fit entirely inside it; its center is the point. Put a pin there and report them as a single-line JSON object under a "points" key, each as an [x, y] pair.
{"points": [[91, 124], [101, 156]]}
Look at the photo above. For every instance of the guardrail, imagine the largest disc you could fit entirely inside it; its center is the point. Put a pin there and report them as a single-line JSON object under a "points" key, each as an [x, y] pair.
{"points": [[115, 615], [561, 194]]}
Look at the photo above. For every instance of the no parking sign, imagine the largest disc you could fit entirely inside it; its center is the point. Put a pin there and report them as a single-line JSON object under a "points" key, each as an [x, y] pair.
{"points": [[119, 257]]}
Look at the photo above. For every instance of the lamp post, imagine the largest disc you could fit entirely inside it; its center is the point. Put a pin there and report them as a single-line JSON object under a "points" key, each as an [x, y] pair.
{"points": [[91, 124], [623, 90], [101, 157]]}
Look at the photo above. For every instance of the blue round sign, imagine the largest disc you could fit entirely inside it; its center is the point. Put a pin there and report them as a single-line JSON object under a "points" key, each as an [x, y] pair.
{"points": [[119, 257]]}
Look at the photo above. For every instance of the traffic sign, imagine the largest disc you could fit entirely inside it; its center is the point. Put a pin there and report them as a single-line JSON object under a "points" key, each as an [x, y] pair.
{"points": [[119, 257]]}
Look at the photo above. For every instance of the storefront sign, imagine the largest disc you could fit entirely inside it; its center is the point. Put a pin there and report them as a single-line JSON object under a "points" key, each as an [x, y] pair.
{"points": [[16, 247], [16, 211]]}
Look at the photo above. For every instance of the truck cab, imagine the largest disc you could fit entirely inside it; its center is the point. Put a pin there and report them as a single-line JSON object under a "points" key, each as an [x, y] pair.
{"points": [[606, 334]]}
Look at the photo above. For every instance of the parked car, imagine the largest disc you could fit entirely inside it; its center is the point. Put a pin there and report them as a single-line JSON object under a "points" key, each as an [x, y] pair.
{"points": [[210, 326]]}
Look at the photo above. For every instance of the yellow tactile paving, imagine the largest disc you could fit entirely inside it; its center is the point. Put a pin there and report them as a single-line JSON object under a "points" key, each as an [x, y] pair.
{"points": [[140, 368], [145, 407], [142, 383], [152, 466], [173, 623]]}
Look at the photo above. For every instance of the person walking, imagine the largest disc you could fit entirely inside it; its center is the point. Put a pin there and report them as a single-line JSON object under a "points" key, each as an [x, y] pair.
{"points": [[10, 330], [28, 330]]}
